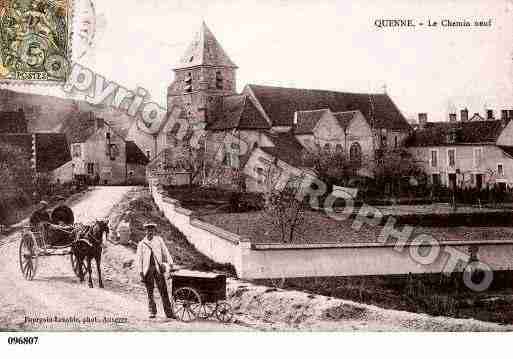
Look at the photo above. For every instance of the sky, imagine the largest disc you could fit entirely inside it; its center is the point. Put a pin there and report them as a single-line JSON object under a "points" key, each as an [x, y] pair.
{"points": [[332, 45]]}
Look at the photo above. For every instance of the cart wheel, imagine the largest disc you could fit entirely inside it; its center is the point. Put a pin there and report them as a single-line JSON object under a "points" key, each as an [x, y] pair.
{"points": [[224, 312], [207, 310], [74, 265], [186, 304], [28, 256]]}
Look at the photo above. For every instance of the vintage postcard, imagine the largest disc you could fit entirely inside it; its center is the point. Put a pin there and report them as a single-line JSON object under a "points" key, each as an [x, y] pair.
{"points": [[34, 40], [256, 166]]}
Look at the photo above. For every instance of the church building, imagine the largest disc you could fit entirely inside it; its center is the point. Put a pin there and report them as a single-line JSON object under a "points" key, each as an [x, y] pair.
{"points": [[276, 120]]}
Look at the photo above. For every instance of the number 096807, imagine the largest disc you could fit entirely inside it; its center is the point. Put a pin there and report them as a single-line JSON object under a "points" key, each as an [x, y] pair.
{"points": [[22, 340]]}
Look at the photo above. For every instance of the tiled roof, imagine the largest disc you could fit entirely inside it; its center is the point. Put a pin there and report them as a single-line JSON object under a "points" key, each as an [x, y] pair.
{"points": [[134, 154], [239, 112], [51, 148], [205, 50], [78, 127], [13, 122], [280, 104], [307, 120], [286, 148], [52, 151], [437, 133]]}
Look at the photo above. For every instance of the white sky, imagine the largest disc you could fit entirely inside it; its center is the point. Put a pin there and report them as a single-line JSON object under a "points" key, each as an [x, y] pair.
{"points": [[320, 44]]}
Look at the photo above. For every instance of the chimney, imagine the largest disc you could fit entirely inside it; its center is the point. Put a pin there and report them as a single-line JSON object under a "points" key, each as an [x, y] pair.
{"points": [[422, 120], [489, 115], [464, 115], [452, 117]]}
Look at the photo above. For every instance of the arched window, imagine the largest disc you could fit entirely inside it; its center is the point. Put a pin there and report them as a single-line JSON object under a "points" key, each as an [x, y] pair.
{"points": [[338, 148], [327, 147], [355, 154]]}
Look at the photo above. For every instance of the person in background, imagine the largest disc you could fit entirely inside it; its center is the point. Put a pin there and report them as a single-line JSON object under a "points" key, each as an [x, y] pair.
{"points": [[40, 215], [153, 261]]}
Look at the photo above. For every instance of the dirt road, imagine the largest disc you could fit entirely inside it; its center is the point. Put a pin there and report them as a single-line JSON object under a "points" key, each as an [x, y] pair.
{"points": [[55, 300]]}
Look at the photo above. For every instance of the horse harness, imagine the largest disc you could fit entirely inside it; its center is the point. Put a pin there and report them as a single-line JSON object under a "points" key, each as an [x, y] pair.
{"points": [[85, 235]]}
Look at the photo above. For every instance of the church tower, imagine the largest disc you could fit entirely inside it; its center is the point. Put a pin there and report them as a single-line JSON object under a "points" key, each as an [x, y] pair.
{"points": [[204, 75]]}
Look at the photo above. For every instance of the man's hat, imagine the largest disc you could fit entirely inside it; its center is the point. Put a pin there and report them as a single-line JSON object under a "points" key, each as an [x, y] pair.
{"points": [[43, 203], [150, 225]]}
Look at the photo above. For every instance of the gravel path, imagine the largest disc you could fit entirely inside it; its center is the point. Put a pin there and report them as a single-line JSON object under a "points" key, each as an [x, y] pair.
{"points": [[56, 294]]}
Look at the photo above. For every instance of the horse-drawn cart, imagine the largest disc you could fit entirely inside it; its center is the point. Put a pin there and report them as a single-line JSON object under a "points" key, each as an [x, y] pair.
{"points": [[36, 242], [200, 295]]}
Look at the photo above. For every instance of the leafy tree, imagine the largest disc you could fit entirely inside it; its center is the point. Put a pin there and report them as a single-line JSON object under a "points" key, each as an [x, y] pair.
{"points": [[331, 167], [393, 165], [16, 177]]}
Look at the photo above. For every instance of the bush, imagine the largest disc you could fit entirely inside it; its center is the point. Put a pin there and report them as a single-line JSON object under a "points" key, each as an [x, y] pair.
{"points": [[246, 202], [477, 219]]}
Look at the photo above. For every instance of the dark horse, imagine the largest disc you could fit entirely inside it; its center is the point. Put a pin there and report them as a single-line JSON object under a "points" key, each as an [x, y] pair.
{"points": [[88, 245]]}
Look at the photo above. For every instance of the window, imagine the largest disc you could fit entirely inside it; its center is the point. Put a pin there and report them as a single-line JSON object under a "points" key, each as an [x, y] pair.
{"points": [[107, 135], [148, 154], [435, 178], [451, 157], [384, 140], [327, 147], [188, 82], [219, 80], [114, 152], [76, 150], [500, 170], [338, 148], [434, 158], [478, 157], [90, 168], [260, 175], [395, 141], [355, 154]]}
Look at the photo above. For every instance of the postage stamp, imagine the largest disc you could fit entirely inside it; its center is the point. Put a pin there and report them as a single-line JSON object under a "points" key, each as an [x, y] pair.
{"points": [[35, 40]]}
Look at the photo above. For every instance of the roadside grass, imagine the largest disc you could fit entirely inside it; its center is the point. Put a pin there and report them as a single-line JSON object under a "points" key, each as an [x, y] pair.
{"points": [[143, 209], [433, 294]]}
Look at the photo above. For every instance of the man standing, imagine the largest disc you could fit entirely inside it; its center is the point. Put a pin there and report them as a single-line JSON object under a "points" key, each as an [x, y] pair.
{"points": [[153, 260]]}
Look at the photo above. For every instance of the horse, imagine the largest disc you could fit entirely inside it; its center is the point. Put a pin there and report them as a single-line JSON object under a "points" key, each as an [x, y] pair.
{"points": [[88, 245]]}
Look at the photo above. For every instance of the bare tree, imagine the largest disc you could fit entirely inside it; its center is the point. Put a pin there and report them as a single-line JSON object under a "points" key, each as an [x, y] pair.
{"points": [[286, 214]]}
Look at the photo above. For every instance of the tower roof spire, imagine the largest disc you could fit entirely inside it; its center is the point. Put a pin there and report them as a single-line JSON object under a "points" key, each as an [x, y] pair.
{"points": [[205, 50]]}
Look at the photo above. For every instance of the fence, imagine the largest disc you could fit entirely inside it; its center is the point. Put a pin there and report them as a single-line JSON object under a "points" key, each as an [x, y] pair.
{"points": [[258, 261]]}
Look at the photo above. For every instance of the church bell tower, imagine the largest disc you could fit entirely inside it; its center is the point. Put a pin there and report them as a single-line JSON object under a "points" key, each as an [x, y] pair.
{"points": [[203, 76]]}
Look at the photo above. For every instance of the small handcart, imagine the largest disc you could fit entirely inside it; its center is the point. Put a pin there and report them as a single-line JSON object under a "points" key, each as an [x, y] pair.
{"points": [[199, 295]]}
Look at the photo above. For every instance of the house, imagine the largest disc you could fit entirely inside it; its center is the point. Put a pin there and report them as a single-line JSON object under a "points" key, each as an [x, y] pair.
{"points": [[470, 153], [204, 95], [100, 153]]}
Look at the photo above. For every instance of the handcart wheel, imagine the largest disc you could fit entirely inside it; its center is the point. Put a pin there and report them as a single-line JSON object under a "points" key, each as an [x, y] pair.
{"points": [[224, 312], [207, 310], [28, 256], [74, 265], [186, 304]]}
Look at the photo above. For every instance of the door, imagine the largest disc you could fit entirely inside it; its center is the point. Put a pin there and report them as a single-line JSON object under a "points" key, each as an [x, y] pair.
{"points": [[452, 181], [479, 181]]}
